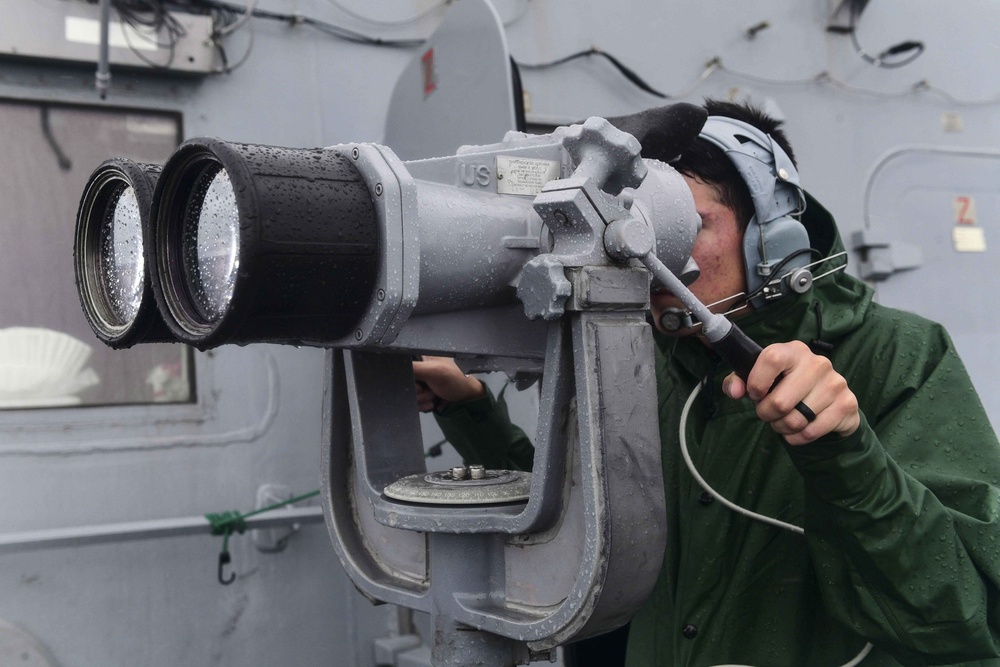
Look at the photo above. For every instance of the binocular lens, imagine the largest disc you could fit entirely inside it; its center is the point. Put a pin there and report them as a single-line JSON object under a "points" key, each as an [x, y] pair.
{"points": [[210, 243], [122, 269], [109, 255]]}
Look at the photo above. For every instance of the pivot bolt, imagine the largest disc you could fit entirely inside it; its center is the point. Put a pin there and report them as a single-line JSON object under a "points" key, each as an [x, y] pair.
{"points": [[801, 280]]}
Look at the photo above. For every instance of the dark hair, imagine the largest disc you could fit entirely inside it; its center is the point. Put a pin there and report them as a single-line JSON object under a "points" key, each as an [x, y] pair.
{"points": [[706, 162]]}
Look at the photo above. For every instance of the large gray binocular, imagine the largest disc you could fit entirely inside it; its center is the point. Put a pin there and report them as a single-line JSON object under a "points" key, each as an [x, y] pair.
{"points": [[522, 256]]}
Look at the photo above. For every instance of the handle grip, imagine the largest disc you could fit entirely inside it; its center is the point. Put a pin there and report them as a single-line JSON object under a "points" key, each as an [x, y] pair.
{"points": [[742, 352]]}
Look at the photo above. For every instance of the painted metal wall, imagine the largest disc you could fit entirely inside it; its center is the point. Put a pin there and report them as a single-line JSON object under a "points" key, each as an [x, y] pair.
{"points": [[258, 421], [842, 114]]}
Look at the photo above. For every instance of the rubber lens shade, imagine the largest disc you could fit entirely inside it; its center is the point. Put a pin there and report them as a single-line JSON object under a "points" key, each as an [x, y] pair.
{"points": [[260, 244], [112, 225]]}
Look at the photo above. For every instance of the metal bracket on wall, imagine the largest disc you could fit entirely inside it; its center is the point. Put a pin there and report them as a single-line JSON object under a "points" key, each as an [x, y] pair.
{"points": [[839, 11], [881, 256], [275, 538]]}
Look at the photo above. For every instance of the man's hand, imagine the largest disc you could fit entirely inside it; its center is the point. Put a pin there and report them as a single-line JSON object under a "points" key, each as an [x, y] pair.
{"points": [[807, 377], [440, 381]]}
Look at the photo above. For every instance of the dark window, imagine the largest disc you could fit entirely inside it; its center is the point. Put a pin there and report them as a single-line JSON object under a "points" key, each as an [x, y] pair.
{"points": [[48, 354]]}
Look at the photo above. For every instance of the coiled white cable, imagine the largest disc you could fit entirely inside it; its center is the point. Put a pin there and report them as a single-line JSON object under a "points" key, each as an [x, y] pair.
{"points": [[856, 660]]}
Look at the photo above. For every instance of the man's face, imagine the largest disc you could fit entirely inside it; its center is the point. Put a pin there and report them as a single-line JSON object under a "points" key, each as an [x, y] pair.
{"points": [[718, 249]]}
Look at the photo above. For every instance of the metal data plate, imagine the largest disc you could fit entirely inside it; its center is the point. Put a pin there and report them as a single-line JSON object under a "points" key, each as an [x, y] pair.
{"points": [[438, 488]]}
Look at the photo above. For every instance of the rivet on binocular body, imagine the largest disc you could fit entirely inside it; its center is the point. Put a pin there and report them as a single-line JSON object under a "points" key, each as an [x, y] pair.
{"points": [[378, 189]]}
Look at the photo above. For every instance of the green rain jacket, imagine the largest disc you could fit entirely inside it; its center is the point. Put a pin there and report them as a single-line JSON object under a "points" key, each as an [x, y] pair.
{"points": [[902, 518]]}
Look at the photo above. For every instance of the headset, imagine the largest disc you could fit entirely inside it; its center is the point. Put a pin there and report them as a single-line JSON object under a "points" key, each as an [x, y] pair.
{"points": [[774, 241]]}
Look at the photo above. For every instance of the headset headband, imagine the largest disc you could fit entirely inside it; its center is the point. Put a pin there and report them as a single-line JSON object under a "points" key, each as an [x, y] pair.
{"points": [[773, 181], [762, 163]]}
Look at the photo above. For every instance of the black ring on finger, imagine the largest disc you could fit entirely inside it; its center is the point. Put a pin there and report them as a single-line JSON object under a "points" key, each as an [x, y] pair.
{"points": [[806, 411]]}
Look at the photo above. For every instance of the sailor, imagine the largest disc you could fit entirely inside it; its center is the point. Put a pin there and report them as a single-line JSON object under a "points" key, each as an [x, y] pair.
{"points": [[870, 531]]}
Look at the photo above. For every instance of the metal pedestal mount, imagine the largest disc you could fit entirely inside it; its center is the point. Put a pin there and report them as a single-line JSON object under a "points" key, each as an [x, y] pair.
{"points": [[511, 565]]}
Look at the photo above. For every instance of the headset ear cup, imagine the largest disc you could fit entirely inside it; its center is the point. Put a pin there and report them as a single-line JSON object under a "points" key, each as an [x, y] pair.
{"points": [[782, 238], [773, 183]]}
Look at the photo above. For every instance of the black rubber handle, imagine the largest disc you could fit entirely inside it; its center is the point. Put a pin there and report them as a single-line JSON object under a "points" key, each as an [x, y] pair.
{"points": [[742, 352]]}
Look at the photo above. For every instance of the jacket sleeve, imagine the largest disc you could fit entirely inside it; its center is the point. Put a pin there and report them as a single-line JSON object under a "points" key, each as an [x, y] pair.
{"points": [[481, 432], [903, 517]]}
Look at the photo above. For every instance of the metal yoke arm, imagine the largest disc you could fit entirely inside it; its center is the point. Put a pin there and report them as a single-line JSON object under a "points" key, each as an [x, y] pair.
{"points": [[581, 555], [617, 481]]}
